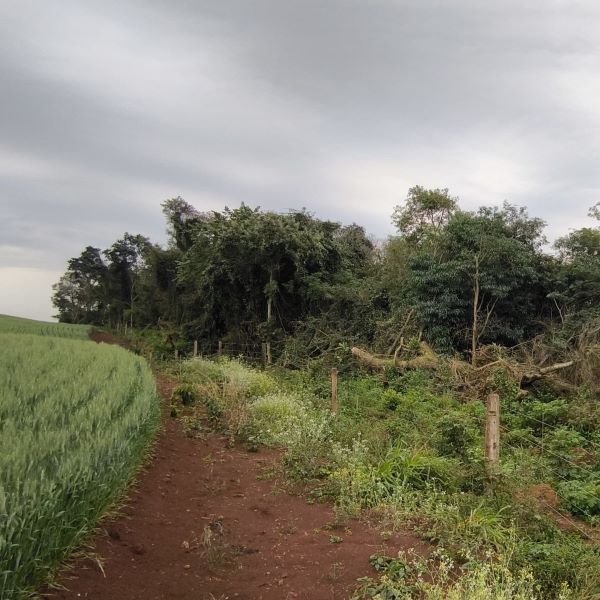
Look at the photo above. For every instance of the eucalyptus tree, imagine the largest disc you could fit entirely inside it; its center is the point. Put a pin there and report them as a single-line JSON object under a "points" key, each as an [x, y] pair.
{"points": [[126, 259]]}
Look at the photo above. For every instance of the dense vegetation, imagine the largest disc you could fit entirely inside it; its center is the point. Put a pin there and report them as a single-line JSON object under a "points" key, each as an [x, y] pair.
{"points": [[457, 305], [413, 454], [459, 279], [75, 421]]}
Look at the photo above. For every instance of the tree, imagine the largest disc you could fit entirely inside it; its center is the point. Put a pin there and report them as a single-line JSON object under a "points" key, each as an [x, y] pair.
{"points": [[125, 260], [81, 294], [576, 290], [484, 285], [181, 220], [424, 212]]}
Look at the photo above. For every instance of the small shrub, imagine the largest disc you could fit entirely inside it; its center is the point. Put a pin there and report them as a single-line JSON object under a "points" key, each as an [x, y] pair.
{"points": [[436, 579], [243, 380], [185, 394], [309, 440], [272, 416], [581, 497]]}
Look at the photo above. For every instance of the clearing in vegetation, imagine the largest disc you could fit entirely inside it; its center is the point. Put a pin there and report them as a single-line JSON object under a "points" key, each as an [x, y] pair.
{"points": [[76, 419]]}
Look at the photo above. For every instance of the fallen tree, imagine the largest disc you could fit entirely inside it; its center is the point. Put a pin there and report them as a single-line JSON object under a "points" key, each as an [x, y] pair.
{"points": [[427, 359], [467, 376]]}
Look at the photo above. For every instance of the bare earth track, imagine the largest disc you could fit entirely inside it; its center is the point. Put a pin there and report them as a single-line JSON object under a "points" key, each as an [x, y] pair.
{"points": [[203, 522]]}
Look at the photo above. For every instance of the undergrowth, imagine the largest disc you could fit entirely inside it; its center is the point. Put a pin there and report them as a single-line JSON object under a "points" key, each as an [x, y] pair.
{"points": [[409, 451]]}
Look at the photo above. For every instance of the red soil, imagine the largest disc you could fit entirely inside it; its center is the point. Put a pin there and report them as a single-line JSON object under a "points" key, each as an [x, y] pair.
{"points": [[204, 522]]}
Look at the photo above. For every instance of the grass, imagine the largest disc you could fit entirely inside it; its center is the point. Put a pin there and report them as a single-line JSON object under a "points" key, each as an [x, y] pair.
{"points": [[76, 419], [18, 325]]}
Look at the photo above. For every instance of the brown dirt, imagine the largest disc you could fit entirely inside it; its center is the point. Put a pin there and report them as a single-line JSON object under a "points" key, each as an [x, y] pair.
{"points": [[205, 521], [543, 495]]}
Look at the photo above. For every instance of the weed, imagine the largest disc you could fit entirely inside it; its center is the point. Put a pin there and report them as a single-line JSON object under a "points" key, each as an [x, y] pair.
{"points": [[185, 394]]}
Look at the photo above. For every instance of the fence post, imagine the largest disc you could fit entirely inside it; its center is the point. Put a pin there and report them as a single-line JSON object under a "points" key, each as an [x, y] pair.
{"points": [[269, 357], [492, 435], [335, 405], [264, 353], [195, 348], [176, 354], [220, 350]]}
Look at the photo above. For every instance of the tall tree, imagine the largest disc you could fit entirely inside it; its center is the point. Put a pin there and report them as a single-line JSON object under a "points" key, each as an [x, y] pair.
{"points": [[81, 294], [125, 257], [424, 212], [484, 285]]}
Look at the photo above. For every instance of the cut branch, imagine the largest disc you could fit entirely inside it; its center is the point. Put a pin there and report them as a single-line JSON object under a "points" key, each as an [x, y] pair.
{"points": [[428, 359], [538, 374]]}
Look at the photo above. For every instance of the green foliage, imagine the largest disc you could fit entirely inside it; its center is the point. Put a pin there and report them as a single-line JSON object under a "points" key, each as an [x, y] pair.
{"points": [[435, 579], [76, 420], [272, 417], [581, 497], [485, 264], [412, 453], [424, 212], [560, 564], [185, 394]]}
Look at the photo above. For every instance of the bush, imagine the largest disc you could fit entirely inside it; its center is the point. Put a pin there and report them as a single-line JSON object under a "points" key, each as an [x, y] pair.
{"points": [[581, 497], [184, 393], [243, 380], [272, 416]]}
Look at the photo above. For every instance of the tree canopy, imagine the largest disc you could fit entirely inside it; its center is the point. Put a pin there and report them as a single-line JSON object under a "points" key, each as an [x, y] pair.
{"points": [[455, 278]]}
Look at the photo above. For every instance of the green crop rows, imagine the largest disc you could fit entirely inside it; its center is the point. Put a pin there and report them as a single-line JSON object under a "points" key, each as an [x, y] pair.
{"points": [[75, 421], [18, 325]]}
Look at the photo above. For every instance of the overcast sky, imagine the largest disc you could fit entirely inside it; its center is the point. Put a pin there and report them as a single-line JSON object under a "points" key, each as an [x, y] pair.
{"points": [[107, 108]]}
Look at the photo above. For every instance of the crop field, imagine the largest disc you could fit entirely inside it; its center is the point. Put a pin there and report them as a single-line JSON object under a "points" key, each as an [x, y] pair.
{"points": [[63, 330], [76, 419]]}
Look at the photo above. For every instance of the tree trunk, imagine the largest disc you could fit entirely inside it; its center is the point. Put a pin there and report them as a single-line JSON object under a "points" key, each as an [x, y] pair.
{"points": [[428, 359], [270, 314], [474, 333]]}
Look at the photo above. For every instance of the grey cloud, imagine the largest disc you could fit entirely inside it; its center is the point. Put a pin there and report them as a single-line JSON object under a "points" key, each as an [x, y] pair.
{"points": [[107, 108]]}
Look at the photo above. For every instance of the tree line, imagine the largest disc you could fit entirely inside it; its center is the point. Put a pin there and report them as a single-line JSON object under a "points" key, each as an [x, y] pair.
{"points": [[457, 278]]}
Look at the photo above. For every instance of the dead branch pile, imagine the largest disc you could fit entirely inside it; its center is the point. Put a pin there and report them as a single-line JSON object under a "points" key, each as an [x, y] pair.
{"points": [[427, 359], [518, 365]]}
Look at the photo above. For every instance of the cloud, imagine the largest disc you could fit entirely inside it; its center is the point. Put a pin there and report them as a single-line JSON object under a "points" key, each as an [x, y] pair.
{"points": [[108, 108]]}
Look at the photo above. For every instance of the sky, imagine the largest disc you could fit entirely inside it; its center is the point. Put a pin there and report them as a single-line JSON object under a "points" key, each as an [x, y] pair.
{"points": [[108, 108]]}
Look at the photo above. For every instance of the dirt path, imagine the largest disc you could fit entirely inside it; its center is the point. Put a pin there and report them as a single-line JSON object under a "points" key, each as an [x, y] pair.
{"points": [[204, 522]]}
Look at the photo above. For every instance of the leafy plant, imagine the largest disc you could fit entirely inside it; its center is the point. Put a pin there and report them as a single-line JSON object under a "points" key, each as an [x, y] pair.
{"points": [[185, 394]]}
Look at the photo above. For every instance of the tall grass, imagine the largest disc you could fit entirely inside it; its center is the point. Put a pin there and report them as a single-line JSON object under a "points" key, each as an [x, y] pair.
{"points": [[75, 421], [19, 325]]}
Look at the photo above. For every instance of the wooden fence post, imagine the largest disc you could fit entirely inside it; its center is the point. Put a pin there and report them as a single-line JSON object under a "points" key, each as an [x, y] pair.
{"points": [[492, 435], [264, 353], [269, 357], [176, 354], [220, 350], [335, 405], [195, 348]]}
